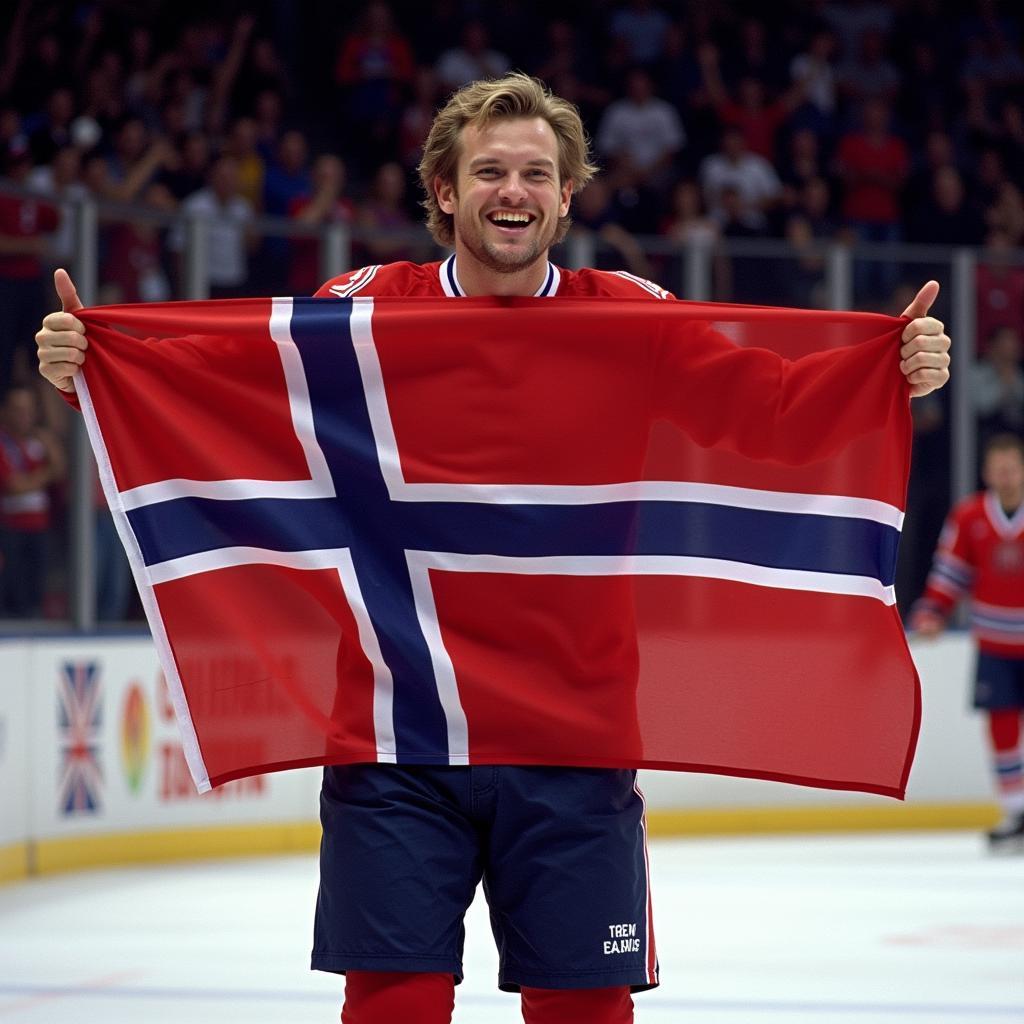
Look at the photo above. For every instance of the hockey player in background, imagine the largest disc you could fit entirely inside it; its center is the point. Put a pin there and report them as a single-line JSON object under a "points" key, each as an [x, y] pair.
{"points": [[981, 555]]}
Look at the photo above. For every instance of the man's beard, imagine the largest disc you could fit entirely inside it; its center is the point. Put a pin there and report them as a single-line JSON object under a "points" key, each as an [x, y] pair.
{"points": [[503, 262]]}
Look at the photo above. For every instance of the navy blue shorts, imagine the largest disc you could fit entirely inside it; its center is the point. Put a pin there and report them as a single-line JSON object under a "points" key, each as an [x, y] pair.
{"points": [[562, 854], [999, 682]]}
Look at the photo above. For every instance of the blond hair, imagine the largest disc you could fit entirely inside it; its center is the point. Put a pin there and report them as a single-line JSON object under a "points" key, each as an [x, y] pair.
{"points": [[480, 103]]}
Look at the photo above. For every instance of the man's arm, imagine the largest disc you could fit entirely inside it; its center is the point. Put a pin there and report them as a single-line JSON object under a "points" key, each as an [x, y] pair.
{"points": [[950, 579]]}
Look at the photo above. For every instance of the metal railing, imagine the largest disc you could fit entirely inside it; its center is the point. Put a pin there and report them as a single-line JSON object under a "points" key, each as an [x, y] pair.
{"points": [[689, 270]]}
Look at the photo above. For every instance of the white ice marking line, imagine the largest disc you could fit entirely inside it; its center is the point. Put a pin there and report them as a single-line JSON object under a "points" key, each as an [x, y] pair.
{"points": [[319, 483]]}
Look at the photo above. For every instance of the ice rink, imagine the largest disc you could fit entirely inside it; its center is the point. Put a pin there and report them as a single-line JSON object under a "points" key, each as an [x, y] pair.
{"points": [[919, 929]]}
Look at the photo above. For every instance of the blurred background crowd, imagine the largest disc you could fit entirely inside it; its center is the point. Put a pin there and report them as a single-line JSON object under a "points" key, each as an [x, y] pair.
{"points": [[805, 122]]}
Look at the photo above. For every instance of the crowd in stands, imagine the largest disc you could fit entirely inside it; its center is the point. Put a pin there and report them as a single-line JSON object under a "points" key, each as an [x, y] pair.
{"points": [[856, 121]]}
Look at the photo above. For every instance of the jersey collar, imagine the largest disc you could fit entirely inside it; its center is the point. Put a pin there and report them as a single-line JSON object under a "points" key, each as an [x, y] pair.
{"points": [[450, 280], [1001, 522]]}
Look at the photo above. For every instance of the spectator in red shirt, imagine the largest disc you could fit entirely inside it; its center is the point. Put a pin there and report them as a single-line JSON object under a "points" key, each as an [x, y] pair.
{"points": [[24, 227], [999, 286], [30, 461], [873, 165], [374, 66], [750, 112], [324, 203]]}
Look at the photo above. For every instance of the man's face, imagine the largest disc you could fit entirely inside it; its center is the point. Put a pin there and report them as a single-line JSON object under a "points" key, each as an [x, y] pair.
{"points": [[507, 198], [1004, 473]]}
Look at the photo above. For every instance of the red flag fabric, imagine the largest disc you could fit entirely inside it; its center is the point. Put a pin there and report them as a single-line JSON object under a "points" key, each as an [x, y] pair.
{"points": [[587, 532]]}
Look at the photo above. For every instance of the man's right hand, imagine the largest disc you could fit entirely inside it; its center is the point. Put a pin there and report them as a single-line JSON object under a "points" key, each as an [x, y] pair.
{"points": [[61, 340], [926, 624]]}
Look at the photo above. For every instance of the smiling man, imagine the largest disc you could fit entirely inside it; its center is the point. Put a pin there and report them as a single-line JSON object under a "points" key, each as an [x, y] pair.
{"points": [[561, 851]]}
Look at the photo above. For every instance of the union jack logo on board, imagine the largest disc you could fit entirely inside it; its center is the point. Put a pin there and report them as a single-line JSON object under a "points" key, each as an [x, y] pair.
{"points": [[79, 719]]}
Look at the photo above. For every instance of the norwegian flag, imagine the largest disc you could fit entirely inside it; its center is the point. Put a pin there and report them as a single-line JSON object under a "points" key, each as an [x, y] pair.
{"points": [[79, 720], [575, 531]]}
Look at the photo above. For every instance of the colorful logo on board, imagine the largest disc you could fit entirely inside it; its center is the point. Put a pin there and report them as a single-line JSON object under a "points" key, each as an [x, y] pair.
{"points": [[136, 730], [79, 720]]}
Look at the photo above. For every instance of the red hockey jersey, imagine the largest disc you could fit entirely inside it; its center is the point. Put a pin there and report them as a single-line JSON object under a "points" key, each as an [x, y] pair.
{"points": [[981, 553], [438, 279]]}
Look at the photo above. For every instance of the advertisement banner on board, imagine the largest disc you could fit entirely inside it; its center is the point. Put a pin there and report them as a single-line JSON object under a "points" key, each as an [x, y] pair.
{"points": [[107, 753]]}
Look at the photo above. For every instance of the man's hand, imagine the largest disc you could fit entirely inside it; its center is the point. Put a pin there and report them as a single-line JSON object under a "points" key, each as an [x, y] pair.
{"points": [[61, 340], [925, 352], [926, 624]]}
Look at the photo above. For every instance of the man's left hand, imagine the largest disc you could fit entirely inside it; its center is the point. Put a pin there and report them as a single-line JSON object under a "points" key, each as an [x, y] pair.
{"points": [[924, 357]]}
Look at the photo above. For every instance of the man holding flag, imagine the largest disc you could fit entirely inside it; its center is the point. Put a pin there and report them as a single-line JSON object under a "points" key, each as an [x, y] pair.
{"points": [[561, 850]]}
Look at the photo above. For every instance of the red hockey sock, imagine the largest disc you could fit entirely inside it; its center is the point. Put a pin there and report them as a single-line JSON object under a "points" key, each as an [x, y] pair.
{"points": [[387, 997], [578, 1005], [1004, 728]]}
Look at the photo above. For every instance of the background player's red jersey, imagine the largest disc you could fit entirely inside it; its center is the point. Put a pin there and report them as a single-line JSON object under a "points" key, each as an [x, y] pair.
{"points": [[981, 553], [439, 279]]}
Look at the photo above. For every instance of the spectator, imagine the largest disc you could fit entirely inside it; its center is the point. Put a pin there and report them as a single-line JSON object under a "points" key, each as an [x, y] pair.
{"points": [[814, 71], [802, 163], [186, 170], [24, 247], [596, 214], [568, 64], [641, 30], [55, 131], [752, 178], [999, 287], [944, 216], [870, 75], [383, 218], [997, 385], [990, 175], [268, 113], [30, 461], [873, 165], [928, 91], [814, 207], [470, 61], [243, 145], [287, 175], [133, 270], [1006, 214], [138, 90], [416, 118], [226, 75], [641, 135], [682, 85], [688, 222], [60, 182], [325, 203], [751, 56], [136, 161], [853, 19], [374, 65], [992, 60], [938, 153], [228, 218], [759, 121]]}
